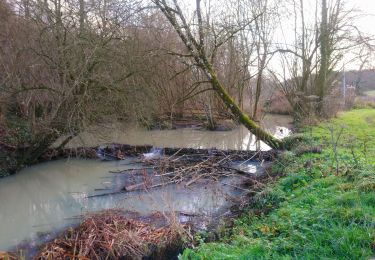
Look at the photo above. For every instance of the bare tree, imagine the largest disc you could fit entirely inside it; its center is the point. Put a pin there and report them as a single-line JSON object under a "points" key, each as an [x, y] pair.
{"points": [[311, 63], [197, 50]]}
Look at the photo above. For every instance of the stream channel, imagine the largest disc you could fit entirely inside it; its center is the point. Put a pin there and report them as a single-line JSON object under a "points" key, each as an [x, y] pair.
{"points": [[43, 199]]}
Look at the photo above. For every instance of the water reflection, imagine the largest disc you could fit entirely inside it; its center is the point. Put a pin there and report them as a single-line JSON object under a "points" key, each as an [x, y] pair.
{"points": [[237, 139], [51, 195]]}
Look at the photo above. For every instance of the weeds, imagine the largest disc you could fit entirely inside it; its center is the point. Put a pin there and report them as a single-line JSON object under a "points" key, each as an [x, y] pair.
{"points": [[335, 139], [316, 210]]}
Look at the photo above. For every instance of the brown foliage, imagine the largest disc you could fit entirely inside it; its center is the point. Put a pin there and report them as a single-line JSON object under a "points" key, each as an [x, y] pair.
{"points": [[110, 235]]}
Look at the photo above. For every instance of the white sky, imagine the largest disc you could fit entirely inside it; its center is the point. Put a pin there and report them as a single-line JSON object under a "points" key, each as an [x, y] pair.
{"points": [[366, 23], [365, 9]]}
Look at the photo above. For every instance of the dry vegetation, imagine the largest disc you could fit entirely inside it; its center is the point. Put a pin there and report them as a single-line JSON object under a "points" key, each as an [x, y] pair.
{"points": [[68, 65], [191, 168], [111, 235]]}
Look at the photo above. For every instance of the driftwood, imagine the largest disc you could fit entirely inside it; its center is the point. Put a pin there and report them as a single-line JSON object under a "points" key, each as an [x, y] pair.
{"points": [[138, 150], [138, 186], [188, 169], [185, 169], [186, 166]]}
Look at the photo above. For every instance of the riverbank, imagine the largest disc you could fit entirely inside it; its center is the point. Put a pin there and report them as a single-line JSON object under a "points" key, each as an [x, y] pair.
{"points": [[63, 187], [323, 206], [197, 185], [85, 144]]}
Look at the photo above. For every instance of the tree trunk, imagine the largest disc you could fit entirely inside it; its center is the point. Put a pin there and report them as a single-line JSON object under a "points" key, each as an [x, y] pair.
{"points": [[197, 52], [81, 17], [324, 59], [211, 124], [237, 112], [258, 89]]}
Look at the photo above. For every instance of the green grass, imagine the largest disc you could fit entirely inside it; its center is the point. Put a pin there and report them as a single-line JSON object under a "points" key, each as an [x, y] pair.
{"points": [[315, 213], [370, 93]]}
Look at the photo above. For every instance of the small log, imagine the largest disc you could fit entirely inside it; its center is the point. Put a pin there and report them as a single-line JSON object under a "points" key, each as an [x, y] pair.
{"points": [[236, 187], [132, 169], [138, 186], [142, 185], [194, 180]]}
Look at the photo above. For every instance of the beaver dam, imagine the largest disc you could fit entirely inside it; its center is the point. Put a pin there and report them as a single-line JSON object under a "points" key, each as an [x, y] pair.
{"points": [[55, 208]]}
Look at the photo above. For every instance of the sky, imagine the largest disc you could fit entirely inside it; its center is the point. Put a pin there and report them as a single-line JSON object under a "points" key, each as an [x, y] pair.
{"points": [[366, 23]]}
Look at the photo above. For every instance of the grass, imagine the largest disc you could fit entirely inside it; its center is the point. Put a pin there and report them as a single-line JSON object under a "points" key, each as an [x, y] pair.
{"points": [[370, 93], [319, 209]]}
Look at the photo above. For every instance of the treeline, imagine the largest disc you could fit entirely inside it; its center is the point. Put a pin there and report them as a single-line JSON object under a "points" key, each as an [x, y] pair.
{"points": [[69, 64]]}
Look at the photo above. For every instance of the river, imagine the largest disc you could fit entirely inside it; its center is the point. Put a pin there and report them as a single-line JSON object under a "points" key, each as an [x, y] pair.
{"points": [[237, 139], [53, 195]]}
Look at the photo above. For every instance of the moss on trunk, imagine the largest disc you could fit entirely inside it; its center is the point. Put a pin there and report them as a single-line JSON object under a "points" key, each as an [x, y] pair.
{"points": [[236, 110]]}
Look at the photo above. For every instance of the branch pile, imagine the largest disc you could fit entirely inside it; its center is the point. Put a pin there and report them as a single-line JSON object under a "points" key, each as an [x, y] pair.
{"points": [[111, 235], [188, 169]]}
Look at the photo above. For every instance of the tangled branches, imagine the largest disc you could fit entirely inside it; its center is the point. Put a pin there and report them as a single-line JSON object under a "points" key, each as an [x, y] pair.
{"points": [[188, 169], [111, 235]]}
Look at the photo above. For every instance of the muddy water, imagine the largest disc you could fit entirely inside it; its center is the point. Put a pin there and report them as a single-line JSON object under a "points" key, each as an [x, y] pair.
{"points": [[50, 196], [53, 195], [237, 139]]}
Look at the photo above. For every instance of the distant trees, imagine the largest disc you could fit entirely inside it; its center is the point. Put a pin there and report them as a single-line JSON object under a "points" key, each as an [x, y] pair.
{"points": [[324, 34]]}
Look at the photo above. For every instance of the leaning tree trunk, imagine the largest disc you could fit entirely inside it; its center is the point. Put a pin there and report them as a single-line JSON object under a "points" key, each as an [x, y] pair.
{"points": [[236, 110], [196, 48]]}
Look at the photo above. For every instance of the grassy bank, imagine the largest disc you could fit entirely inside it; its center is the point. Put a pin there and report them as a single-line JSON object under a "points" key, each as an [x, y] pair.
{"points": [[323, 206], [370, 93]]}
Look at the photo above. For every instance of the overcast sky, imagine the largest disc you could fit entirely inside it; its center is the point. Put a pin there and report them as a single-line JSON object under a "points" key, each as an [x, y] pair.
{"points": [[367, 23]]}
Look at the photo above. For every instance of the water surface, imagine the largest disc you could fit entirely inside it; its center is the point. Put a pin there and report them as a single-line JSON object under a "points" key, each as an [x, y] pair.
{"points": [[237, 139], [50, 196], [53, 195]]}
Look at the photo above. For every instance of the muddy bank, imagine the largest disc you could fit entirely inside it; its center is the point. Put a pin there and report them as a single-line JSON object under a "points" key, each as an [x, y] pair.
{"points": [[8, 161]]}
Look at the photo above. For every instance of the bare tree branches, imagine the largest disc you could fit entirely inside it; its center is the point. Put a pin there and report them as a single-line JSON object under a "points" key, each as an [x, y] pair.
{"points": [[176, 17]]}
